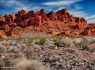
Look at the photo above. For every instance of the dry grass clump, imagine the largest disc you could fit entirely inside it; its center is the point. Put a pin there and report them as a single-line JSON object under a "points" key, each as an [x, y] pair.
{"points": [[66, 41], [28, 52], [56, 41], [2, 49], [5, 62], [36, 41], [35, 46], [18, 39], [12, 49], [17, 60], [87, 39], [49, 43], [2, 63], [77, 40], [29, 65], [93, 39]]}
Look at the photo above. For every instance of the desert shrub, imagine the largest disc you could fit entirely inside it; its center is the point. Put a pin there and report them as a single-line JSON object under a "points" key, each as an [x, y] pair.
{"points": [[48, 44], [23, 45], [85, 47], [36, 41], [66, 41], [35, 46], [17, 60], [12, 48], [20, 55], [2, 63], [87, 39], [77, 40], [7, 62], [42, 40], [93, 39], [13, 43], [5, 43], [70, 50], [56, 41], [27, 40], [1, 39], [28, 52], [2, 49], [29, 65], [18, 39]]}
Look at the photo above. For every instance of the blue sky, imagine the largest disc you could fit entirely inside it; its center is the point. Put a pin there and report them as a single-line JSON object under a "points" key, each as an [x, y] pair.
{"points": [[79, 8]]}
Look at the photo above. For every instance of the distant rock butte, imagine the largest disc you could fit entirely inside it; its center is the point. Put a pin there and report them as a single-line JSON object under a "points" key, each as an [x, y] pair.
{"points": [[57, 23]]}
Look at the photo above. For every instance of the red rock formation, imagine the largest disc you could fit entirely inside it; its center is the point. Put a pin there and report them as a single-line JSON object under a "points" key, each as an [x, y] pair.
{"points": [[2, 18], [90, 30], [2, 35], [57, 23]]}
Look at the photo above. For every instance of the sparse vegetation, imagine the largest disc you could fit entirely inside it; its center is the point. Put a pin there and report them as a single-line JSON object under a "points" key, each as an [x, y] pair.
{"points": [[21, 52], [66, 41], [2, 63], [5, 62], [29, 65], [77, 40], [85, 47], [42, 40]]}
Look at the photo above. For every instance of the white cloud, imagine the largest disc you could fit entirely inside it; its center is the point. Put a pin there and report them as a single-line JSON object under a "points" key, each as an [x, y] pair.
{"points": [[17, 5], [91, 19], [71, 5], [8, 3], [77, 7], [78, 13], [81, 13], [62, 2]]}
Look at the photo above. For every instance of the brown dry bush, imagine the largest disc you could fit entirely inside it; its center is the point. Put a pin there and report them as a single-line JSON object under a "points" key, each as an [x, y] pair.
{"points": [[85, 47], [66, 41], [29, 65]]}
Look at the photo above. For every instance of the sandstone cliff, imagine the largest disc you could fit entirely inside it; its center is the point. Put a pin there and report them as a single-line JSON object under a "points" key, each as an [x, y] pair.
{"points": [[57, 23]]}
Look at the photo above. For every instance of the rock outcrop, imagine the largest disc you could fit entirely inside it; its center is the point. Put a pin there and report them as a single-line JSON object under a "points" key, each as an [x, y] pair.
{"points": [[2, 35], [90, 30], [57, 23]]}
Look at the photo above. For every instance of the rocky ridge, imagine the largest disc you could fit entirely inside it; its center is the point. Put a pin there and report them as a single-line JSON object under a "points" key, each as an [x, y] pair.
{"points": [[57, 23]]}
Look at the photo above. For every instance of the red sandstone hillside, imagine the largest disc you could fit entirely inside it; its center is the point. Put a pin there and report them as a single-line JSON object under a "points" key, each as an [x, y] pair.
{"points": [[57, 23]]}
